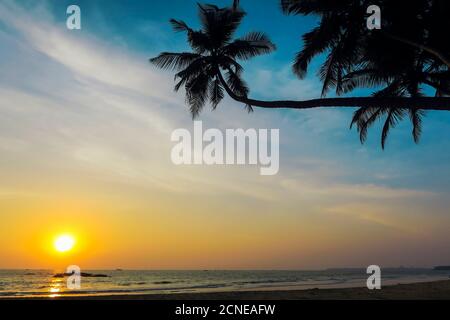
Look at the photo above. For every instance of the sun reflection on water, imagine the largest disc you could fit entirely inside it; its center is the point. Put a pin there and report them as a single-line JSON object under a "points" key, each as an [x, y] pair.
{"points": [[55, 288]]}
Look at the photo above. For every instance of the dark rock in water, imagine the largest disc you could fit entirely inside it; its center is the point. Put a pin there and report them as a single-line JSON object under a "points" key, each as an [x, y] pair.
{"points": [[83, 274], [162, 282], [59, 275], [94, 275], [441, 268]]}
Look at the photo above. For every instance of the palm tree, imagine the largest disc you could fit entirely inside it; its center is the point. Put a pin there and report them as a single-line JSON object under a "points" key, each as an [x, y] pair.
{"points": [[212, 68], [405, 55], [214, 51]]}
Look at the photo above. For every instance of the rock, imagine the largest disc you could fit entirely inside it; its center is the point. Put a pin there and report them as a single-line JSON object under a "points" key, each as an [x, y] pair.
{"points": [[83, 274]]}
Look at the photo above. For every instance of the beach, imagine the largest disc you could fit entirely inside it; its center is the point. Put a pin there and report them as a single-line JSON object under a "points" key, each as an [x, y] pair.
{"points": [[246, 284], [436, 290]]}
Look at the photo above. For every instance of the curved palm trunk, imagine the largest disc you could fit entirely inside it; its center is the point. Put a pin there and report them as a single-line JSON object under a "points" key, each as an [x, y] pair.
{"points": [[422, 103]]}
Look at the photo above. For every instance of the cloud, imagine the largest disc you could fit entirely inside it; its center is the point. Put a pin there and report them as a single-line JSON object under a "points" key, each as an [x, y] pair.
{"points": [[384, 216], [86, 106], [88, 121], [89, 107], [359, 191], [283, 84]]}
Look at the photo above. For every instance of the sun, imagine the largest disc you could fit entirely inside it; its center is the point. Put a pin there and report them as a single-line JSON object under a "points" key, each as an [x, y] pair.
{"points": [[64, 243]]}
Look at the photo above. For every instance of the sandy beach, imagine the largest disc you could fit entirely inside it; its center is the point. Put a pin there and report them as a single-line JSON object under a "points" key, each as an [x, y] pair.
{"points": [[428, 290], [439, 290]]}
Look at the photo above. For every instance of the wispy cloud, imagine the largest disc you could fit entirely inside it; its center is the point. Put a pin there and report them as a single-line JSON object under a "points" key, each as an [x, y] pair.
{"points": [[283, 84], [106, 108], [78, 110]]}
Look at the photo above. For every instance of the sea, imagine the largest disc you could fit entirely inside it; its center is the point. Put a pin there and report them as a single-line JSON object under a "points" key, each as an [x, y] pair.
{"points": [[43, 283]]}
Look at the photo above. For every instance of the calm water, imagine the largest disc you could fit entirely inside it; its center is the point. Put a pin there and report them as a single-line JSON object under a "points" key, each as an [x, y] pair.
{"points": [[20, 283]]}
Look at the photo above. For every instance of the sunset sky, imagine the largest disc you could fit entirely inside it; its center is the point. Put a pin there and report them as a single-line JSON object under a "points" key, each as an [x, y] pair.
{"points": [[85, 126]]}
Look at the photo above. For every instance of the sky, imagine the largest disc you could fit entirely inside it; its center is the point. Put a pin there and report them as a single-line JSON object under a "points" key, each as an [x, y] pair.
{"points": [[85, 126]]}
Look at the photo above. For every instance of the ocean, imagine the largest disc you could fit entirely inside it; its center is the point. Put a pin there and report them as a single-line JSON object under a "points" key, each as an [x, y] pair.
{"points": [[29, 283]]}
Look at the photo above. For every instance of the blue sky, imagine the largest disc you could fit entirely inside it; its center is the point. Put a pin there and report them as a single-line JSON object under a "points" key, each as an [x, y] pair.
{"points": [[143, 27], [86, 118]]}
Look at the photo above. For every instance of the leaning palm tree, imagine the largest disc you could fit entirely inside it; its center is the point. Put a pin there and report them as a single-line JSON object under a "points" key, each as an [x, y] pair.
{"points": [[213, 68], [214, 51]]}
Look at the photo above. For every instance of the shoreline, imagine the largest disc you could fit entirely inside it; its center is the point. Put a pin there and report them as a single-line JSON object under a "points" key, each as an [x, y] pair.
{"points": [[439, 290]]}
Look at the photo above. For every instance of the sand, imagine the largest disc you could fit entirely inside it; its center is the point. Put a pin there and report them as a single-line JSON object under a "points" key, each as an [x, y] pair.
{"points": [[426, 290]]}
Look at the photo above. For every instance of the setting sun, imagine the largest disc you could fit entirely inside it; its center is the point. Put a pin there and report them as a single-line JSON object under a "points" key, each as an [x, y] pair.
{"points": [[64, 243]]}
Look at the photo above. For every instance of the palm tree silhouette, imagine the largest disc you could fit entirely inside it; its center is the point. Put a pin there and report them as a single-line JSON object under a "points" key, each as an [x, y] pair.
{"points": [[213, 50], [398, 59], [213, 67]]}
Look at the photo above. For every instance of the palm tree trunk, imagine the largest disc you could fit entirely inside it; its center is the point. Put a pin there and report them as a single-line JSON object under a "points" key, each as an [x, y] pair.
{"points": [[420, 103], [235, 4]]}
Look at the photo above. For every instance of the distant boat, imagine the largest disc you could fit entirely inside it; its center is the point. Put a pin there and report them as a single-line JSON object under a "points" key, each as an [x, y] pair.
{"points": [[441, 268]]}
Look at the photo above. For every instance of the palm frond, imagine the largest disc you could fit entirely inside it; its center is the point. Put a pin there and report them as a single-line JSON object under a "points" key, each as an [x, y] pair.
{"points": [[252, 45], [216, 93], [249, 108], [192, 71], [197, 39], [199, 42], [197, 93], [226, 62], [416, 120], [236, 84], [330, 71], [179, 25], [310, 6], [342, 58], [316, 42], [219, 24], [366, 117], [362, 78], [174, 61], [395, 115]]}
